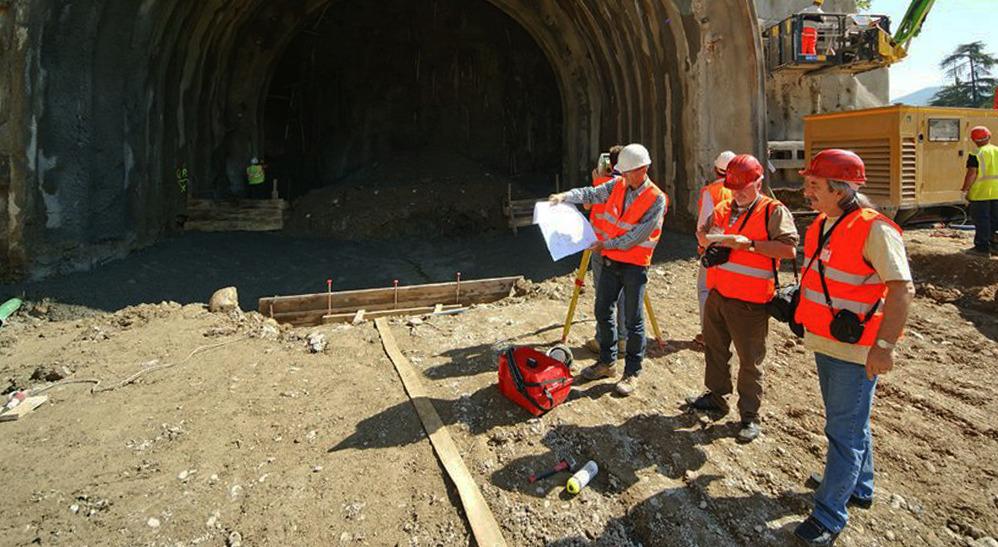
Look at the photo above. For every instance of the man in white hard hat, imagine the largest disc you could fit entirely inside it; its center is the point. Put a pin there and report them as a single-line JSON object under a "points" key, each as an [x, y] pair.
{"points": [[711, 195], [629, 229]]}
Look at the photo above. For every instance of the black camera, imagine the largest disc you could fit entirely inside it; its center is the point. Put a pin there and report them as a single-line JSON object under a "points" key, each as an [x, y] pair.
{"points": [[715, 255], [847, 327]]}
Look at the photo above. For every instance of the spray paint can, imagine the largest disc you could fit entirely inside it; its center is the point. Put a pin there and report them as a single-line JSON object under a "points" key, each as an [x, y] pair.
{"points": [[581, 478]]}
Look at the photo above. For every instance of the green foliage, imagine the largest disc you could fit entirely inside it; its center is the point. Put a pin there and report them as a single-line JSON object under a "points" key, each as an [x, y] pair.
{"points": [[969, 67], [863, 4]]}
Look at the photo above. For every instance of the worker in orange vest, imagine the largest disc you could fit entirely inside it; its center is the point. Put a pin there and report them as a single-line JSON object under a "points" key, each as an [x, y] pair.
{"points": [[856, 290], [596, 259], [745, 240], [629, 229], [711, 195]]}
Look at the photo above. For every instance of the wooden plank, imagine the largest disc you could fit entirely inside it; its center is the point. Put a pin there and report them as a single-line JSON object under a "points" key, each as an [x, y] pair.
{"points": [[26, 407], [483, 523], [472, 292], [365, 315]]}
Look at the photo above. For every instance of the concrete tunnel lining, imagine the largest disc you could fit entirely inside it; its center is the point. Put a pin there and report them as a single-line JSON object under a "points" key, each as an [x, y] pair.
{"points": [[122, 93]]}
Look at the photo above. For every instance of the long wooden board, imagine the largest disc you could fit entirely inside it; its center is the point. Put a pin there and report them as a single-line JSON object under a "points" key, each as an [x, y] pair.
{"points": [[309, 309], [366, 315], [483, 523]]}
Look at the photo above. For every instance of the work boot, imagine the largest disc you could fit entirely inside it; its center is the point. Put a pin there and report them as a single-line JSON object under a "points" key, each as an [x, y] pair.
{"points": [[698, 340], [854, 500], [811, 532], [627, 385], [707, 402], [599, 370], [978, 251], [749, 431]]}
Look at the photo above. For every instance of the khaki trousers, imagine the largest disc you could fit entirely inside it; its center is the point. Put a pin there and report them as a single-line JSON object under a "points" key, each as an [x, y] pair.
{"points": [[728, 321]]}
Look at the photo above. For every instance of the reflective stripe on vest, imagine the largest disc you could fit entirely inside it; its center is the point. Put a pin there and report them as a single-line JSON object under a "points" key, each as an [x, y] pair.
{"points": [[746, 276], [985, 188], [852, 283], [612, 224]]}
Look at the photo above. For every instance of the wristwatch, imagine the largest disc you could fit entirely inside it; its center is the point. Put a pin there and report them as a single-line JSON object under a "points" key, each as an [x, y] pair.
{"points": [[884, 344]]}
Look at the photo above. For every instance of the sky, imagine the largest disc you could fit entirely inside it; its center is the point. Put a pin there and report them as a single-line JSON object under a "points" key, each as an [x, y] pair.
{"points": [[950, 23]]}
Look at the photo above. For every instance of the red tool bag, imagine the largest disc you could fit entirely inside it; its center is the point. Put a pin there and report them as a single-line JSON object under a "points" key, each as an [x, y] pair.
{"points": [[533, 380]]}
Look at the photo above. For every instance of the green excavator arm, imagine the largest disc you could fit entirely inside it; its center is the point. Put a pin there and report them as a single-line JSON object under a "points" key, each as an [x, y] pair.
{"points": [[911, 24]]}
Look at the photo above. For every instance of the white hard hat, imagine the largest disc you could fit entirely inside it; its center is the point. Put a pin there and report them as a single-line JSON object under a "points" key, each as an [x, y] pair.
{"points": [[633, 156], [254, 161], [721, 163]]}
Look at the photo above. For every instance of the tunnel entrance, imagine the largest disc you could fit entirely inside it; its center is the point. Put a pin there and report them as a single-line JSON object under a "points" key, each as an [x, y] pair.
{"points": [[410, 118]]}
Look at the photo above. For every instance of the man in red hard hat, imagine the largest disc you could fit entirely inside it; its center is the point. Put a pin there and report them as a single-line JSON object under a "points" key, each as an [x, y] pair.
{"points": [[855, 293], [981, 188], [745, 240]]}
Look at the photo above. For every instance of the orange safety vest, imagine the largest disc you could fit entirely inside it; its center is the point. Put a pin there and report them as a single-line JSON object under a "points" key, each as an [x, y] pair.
{"points": [[598, 208], [853, 284], [611, 224], [746, 276], [718, 193]]}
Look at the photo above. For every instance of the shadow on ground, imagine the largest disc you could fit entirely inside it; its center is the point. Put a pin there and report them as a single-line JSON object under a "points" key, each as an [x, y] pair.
{"points": [[190, 267]]}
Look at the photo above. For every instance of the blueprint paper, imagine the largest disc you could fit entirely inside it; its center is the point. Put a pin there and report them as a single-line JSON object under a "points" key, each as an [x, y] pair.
{"points": [[565, 230]]}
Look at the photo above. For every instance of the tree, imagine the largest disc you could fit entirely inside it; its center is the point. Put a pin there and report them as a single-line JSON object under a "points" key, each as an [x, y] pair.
{"points": [[969, 66]]}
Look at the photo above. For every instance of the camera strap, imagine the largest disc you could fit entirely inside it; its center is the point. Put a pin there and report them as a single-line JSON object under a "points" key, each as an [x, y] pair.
{"points": [[821, 267]]}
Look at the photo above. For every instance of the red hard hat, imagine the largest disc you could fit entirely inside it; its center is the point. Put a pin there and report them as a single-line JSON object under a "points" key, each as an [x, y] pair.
{"points": [[743, 170], [980, 133], [837, 164]]}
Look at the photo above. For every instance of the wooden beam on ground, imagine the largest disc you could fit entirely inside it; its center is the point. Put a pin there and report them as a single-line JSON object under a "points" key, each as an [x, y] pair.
{"points": [[483, 523], [311, 309], [363, 315]]}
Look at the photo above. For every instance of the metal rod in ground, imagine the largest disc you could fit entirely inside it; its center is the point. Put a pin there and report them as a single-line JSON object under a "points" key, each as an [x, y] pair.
{"points": [[580, 280]]}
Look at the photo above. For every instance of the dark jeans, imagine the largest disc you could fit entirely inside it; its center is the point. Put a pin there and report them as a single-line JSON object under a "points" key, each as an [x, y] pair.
{"points": [[596, 265], [614, 279], [985, 215]]}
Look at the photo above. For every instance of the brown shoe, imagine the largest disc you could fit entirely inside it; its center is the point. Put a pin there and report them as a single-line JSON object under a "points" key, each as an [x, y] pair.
{"points": [[599, 370], [626, 386]]}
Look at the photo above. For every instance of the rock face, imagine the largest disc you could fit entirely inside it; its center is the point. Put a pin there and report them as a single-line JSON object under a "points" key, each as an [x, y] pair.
{"points": [[224, 300]]}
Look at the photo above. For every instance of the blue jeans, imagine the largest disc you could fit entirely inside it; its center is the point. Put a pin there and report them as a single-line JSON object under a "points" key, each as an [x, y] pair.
{"points": [[848, 398], [596, 265], [629, 280], [985, 215]]}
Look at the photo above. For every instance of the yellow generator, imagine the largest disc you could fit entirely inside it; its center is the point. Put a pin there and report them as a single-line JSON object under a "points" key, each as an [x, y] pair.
{"points": [[915, 156]]}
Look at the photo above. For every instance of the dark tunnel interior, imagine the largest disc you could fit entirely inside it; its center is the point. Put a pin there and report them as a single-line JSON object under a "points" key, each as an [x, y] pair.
{"points": [[411, 94]]}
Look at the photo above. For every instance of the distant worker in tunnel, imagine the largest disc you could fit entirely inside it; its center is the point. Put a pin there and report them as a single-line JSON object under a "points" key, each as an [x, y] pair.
{"points": [[603, 174], [256, 176], [856, 291], [744, 240], [630, 228], [981, 188], [711, 195]]}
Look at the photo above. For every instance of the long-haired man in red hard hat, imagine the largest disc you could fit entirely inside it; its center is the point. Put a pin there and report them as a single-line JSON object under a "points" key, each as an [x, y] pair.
{"points": [[629, 229], [855, 293], [745, 240], [981, 188]]}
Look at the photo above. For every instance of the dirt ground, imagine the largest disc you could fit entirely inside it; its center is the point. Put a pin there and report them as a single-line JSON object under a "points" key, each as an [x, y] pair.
{"points": [[253, 440]]}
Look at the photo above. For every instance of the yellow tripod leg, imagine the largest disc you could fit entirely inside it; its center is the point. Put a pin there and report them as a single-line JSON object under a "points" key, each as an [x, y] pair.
{"points": [[580, 278], [654, 322]]}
